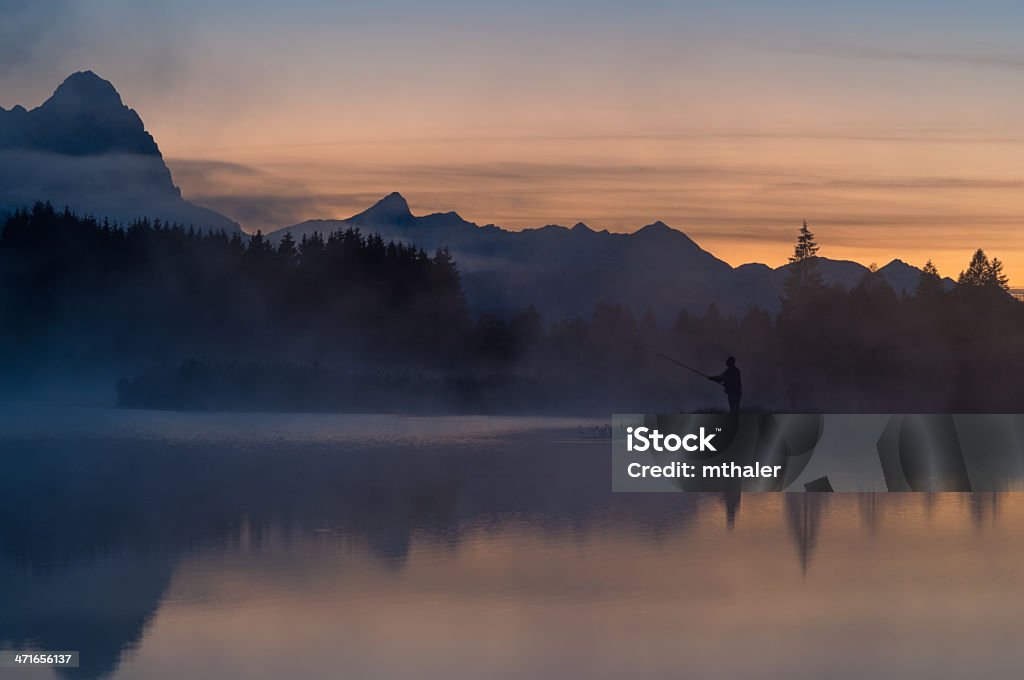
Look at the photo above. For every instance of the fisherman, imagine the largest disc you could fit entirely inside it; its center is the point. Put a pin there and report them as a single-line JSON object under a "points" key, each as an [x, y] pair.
{"points": [[730, 380]]}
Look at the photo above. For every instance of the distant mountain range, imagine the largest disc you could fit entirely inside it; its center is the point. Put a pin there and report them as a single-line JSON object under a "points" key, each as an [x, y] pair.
{"points": [[85, 149], [565, 271]]}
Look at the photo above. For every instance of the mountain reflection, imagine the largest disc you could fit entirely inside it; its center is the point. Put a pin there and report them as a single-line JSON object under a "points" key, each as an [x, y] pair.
{"points": [[97, 535]]}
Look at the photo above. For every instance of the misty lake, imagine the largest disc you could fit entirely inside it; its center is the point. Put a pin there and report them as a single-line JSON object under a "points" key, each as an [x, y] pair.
{"points": [[171, 545]]}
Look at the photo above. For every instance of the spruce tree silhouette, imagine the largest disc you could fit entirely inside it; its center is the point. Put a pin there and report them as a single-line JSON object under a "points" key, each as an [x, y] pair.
{"points": [[982, 273], [929, 285]]}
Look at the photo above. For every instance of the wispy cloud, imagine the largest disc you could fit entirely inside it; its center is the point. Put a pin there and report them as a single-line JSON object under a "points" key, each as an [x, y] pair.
{"points": [[141, 46], [29, 31], [258, 198], [920, 136], [756, 202], [1013, 62], [916, 183]]}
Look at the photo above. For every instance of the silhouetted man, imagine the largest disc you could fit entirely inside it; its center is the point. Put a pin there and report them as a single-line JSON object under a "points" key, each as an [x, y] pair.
{"points": [[730, 380]]}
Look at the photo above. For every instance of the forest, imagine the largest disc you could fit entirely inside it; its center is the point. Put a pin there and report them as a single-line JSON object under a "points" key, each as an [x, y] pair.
{"points": [[161, 316]]}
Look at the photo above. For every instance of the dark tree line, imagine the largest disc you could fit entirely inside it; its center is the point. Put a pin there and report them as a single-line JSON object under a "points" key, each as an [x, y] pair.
{"points": [[864, 349], [74, 290], [349, 322], [869, 349]]}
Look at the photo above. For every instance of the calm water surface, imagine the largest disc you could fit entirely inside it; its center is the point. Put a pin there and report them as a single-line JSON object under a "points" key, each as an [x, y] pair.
{"points": [[168, 545]]}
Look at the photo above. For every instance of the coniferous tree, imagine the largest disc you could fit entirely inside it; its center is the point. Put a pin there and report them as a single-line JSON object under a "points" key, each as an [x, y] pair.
{"points": [[977, 271], [984, 273], [806, 247], [804, 277], [527, 329], [929, 283], [648, 325], [996, 277], [286, 251], [801, 324]]}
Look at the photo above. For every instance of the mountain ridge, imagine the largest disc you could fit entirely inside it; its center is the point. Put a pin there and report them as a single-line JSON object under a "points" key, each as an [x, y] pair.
{"points": [[656, 267], [86, 149]]}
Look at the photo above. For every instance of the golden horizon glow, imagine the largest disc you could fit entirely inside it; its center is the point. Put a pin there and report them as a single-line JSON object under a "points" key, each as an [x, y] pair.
{"points": [[723, 189], [894, 130]]}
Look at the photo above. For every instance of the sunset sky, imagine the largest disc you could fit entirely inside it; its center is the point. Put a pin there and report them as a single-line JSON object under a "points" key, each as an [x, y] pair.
{"points": [[897, 130]]}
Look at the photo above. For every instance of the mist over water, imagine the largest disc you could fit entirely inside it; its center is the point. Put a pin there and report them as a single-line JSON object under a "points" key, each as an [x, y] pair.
{"points": [[169, 545]]}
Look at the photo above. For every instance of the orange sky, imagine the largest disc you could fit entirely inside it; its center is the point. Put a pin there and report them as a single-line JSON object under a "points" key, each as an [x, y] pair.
{"points": [[741, 195], [895, 129]]}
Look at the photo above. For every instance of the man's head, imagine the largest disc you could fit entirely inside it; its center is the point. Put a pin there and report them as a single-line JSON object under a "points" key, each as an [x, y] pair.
{"points": [[730, 362]]}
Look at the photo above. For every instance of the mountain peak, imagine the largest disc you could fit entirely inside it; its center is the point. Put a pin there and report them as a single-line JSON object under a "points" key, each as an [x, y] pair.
{"points": [[658, 227], [84, 117], [662, 235], [391, 208], [85, 149], [86, 91]]}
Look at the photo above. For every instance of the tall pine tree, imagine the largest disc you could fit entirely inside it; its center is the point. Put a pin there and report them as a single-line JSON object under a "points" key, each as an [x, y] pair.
{"points": [[976, 273], [996, 277], [804, 276], [983, 273]]}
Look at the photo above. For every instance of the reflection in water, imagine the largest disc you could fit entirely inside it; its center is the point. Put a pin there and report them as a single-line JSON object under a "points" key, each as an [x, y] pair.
{"points": [[984, 507], [803, 512], [867, 507], [731, 497], [485, 549]]}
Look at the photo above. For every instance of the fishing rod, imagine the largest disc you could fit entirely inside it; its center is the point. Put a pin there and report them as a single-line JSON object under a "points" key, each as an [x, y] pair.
{"points": [[678, 363]]}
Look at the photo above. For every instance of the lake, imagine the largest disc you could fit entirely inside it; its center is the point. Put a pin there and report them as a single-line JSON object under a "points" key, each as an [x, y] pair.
{"points": [[170, 545]]}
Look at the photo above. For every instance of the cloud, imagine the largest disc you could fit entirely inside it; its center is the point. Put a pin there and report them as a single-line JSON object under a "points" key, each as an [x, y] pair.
{"points": [[1012, 62], [262, 199], [741, 211], [747, 202], [142, 47], [514, 194], [925, 183], [205, 171], [30, 31]]}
